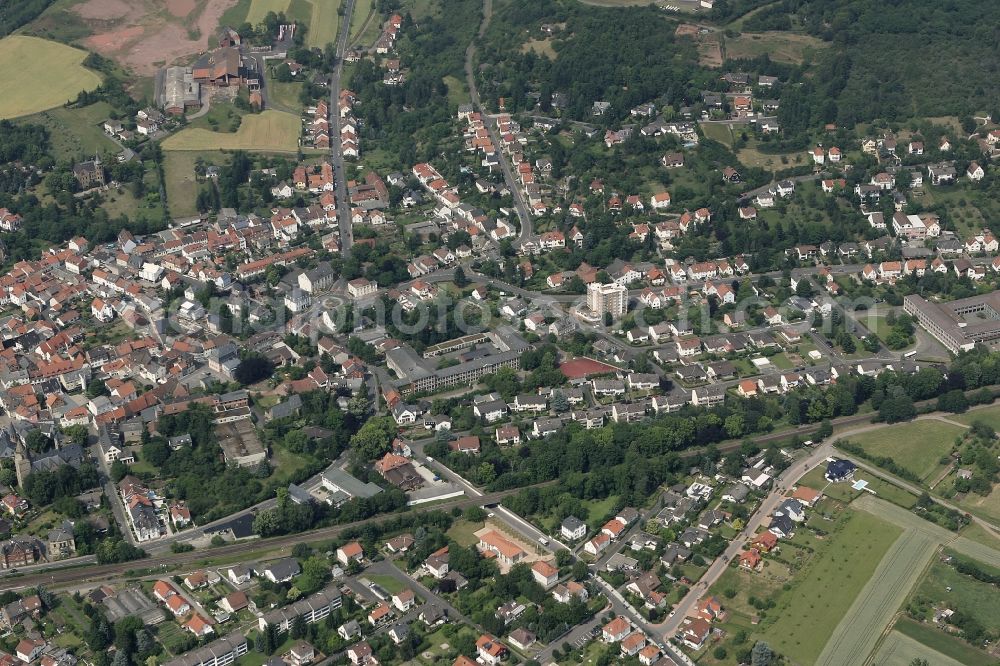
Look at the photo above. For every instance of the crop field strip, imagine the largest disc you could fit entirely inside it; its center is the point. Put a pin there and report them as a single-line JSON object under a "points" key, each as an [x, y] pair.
{"points": [[37, 74], [908, 520], [858, 633], [900, 650]]}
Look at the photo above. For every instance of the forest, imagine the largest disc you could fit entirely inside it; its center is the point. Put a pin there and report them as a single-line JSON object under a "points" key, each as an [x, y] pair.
{"points": [[15, 14], [625, 57]]}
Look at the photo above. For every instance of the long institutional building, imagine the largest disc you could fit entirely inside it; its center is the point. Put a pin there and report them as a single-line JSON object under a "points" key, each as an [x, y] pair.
{"points": [[959, 325]]}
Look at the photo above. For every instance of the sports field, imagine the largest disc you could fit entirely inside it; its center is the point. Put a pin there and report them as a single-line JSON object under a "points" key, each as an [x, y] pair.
{"points": [[858, 632], [829, 585], [36, 74], [917, 446], [267, 132], [260, 8]]}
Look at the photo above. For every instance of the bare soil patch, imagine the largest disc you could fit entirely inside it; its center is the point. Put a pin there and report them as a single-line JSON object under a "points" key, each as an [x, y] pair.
{"points": [[180, 8], [143, 37]]}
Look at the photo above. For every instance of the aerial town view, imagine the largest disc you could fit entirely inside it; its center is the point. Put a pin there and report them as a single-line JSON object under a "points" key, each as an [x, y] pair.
{"points": [[499, 332]]}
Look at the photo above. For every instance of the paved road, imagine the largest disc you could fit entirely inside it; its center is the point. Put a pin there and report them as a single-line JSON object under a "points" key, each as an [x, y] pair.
{"points": [[336, 154], [791, 475], [520, 204]]}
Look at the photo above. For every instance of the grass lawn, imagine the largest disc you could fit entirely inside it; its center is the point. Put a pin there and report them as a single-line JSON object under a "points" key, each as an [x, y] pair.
{"points": [[900, 650], [718, 132], [267, 132], [259, 9], [37, 74], [463, 532], [598, 509], [390, 584], [842, 491], [285, 94], [221, 117], [917, 446], [287, 464], [421, 8], [457, 93], [781, 361], [76, 132], [829, 585], [989, 415], [941, 642]]}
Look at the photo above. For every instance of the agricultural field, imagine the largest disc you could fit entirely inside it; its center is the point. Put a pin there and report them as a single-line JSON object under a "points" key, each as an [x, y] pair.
{"points": [[267, 132], [260, 8], [826, 588], [900, 650], [37, 74], [862, 626], [76, 132], [975, 549], [941, 643], [324, 23], [917, 446]]}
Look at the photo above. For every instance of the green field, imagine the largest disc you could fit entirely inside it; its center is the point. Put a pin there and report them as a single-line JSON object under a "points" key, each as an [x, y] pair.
{"points": [[324, 24], [858, 633], [182, 188], [259, 9], [76, 132], [900, 650], [457, 92], [284, 95], [989, 415], [828, 586], [390, 584], [909, 520], [917, 446], [267, 132], [363, 10], [937, 641], [36, 74], [980, 600], [463, 532], [718, 132]]}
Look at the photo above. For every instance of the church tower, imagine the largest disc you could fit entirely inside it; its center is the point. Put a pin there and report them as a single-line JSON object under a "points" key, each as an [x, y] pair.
{"points": [[22, 464]]}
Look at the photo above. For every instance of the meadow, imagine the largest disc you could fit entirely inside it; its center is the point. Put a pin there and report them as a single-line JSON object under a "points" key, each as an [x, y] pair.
{"points": [[267, 132], [828, 586], [858, 632], [917, 446], [259, 9], [36, 74]]}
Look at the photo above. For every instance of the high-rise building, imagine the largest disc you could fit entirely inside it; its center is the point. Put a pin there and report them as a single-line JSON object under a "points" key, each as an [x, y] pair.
{"points": [[611, 298]]}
